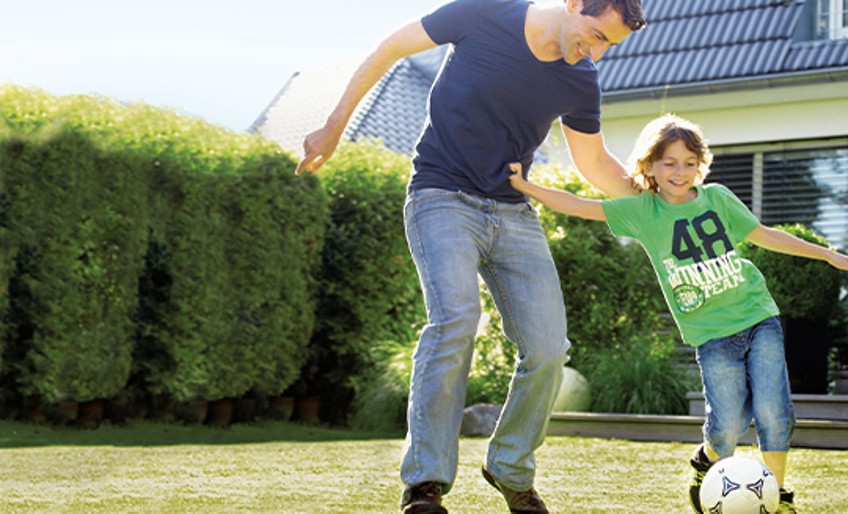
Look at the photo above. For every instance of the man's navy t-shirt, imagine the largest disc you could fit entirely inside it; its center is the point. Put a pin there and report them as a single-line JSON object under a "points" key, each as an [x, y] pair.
{"points": [[494, 102]]}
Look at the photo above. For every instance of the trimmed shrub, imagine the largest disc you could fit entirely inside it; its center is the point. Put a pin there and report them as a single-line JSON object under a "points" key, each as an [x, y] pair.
{"points": [[494, 357], [612, 299], [131, 224], [233, 251], [78, 249], [610, 289], [275, 237], [802, 288], [807, 293], [369, 287], [838, 335]]}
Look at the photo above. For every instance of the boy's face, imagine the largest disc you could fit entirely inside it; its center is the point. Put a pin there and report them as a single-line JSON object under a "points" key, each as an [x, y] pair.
{"points": [[676, 172], [588, 36]]}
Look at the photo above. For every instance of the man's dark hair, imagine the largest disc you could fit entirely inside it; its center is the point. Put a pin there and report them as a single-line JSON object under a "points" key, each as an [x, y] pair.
{"points": [[631, 11]]}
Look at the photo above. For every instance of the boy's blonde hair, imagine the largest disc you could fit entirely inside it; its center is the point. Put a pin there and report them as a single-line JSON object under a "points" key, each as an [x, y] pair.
{"points": [[655, 138]]}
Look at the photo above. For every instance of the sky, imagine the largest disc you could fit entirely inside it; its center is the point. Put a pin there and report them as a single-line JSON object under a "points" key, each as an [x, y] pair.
{"points": [[220, 60]]}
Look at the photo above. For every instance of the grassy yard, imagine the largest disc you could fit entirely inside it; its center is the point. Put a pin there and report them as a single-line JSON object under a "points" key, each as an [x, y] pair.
{"points": [[287, 468]]}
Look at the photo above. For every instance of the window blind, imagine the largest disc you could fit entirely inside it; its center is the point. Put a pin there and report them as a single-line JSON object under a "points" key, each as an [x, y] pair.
{"points": [[808, 186]]}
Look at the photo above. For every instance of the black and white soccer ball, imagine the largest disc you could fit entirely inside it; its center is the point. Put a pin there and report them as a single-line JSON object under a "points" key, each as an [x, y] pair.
{"points": [[739, 485]]}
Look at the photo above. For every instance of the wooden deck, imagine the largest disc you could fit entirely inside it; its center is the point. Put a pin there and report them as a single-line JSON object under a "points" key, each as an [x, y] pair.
{"points": [[822, 423]]}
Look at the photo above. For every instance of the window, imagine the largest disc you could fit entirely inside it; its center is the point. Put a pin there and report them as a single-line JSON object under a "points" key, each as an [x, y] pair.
{"points": [[833, 19], [792, 183]]}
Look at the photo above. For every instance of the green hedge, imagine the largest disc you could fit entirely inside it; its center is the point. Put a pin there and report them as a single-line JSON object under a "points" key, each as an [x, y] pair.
{"points": [[612, 298], [150, 250], [369, 290], [802, 288], [610, 289], [77, 256]]}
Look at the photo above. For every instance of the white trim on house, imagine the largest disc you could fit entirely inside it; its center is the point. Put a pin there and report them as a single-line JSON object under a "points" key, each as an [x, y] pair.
{"points": [[737, 118], [838, 22]]}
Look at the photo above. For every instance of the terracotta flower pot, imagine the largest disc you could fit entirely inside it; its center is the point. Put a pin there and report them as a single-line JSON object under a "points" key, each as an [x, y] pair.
{"points": [[245, 410], [220, 413], [192, 411], [116, 409], [90, 414], [62, 413], [306, 409], [281, 407]]}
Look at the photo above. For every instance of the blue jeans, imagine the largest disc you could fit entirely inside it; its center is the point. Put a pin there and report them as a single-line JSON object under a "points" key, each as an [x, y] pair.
{"points": [[453, 236], [745, 379]]}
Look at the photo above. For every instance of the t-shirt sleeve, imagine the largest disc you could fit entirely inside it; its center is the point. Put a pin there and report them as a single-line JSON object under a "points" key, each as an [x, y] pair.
{"points": [[452, 21], [623, 215], [587, 119], [742, 220]]}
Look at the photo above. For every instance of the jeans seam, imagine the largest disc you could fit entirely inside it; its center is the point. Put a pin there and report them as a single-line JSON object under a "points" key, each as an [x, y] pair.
{"points": [[425, 359]]}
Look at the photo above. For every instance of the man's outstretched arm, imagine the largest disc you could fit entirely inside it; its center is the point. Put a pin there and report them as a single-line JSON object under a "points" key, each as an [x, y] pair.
{"points": [[320, 145], [593, 160]]}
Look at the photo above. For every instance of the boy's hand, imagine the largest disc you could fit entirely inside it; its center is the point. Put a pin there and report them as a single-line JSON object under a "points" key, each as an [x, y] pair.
{"points": [[516, 179]]}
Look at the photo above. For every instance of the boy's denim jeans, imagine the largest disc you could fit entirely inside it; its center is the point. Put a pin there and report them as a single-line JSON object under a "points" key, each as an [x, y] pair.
{"points": [[745, 379], [453, 236]]}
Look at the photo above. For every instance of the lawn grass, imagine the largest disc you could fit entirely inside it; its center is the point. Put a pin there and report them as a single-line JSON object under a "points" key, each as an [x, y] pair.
{"points": [[288, 468]]}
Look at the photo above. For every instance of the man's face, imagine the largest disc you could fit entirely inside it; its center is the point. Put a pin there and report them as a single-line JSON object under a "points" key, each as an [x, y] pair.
{"points": [[588, 36]]}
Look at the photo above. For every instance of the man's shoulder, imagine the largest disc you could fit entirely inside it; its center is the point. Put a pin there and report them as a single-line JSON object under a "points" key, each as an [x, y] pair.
{"points": [[502, 6]]}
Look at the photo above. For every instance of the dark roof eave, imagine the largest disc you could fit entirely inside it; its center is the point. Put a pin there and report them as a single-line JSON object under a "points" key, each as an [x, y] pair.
{"points": [[259, 121], [728, 85]]}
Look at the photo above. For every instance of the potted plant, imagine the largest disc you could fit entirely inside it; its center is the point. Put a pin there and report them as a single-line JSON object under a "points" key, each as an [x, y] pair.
{"points": [[807, 293]]}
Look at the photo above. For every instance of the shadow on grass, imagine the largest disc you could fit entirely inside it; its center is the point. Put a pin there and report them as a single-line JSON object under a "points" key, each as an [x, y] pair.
{"points": [[150, 433]]}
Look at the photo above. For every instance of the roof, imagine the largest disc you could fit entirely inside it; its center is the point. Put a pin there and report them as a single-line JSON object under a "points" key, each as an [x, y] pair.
{"points": [[690, 44], [688, 47], [395, 111], [303, 104]]}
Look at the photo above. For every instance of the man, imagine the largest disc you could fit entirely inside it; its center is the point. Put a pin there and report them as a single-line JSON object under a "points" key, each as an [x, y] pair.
{"points": [[513, 69]]}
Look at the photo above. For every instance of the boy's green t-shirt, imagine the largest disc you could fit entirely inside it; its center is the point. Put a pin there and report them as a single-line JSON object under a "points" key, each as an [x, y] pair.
{"points": [[711, 291]]}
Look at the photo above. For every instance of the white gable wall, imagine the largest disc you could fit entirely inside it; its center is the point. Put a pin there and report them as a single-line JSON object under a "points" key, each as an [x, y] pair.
{"points": [[728, 119]]}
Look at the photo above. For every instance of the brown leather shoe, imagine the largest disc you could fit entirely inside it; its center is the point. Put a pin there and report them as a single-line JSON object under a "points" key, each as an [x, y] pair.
{"points": [[520, 502], [423, 498]]}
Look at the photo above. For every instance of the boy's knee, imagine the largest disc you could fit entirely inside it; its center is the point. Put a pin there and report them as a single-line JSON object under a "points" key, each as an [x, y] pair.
{"points": [[774, 431], [725, 437]]}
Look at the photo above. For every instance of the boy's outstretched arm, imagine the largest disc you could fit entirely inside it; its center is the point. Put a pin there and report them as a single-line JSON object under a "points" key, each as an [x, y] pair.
{"points": [[783, 242], [561, 201]]}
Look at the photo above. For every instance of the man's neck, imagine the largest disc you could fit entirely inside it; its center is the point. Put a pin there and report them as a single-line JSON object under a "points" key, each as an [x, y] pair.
{"points": [[541, 30]]}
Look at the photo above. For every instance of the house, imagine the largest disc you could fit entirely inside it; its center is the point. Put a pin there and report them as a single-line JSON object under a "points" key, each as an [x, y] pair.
{"points": [[767, 80]]}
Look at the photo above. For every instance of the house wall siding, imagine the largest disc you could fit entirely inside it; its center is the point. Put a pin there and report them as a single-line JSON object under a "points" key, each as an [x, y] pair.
{"points": [[730, 119]]}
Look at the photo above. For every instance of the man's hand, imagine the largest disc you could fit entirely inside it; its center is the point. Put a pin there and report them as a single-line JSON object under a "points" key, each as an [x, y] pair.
{"points": [[317, 148], [320, 145]]}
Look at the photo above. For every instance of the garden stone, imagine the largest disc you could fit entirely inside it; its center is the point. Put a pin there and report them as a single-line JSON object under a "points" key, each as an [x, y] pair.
{"points": [[574, 394], [480, 419]]}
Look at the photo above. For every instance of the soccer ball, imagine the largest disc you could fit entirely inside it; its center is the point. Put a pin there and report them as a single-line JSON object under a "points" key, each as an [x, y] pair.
{"points": [[739, 485]]}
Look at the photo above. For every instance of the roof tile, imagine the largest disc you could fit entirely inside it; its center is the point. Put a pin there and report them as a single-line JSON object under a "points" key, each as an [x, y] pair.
{"points": [[686, 43]]}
